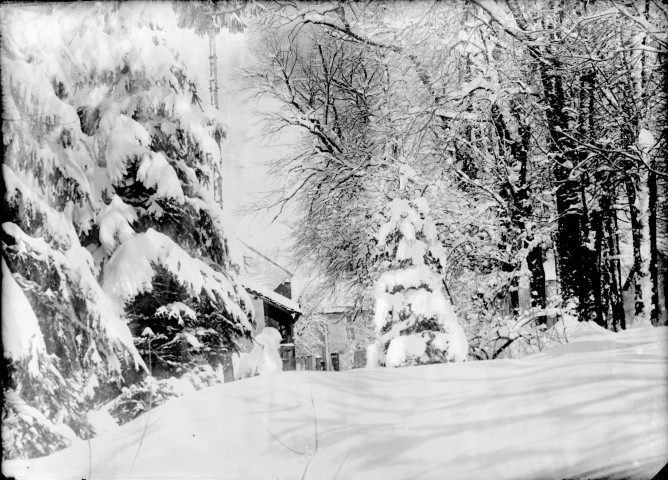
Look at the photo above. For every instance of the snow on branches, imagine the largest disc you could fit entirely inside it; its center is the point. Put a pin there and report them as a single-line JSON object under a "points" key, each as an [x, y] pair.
{"points": [[109, 160], [414, 320], [130, 272]]}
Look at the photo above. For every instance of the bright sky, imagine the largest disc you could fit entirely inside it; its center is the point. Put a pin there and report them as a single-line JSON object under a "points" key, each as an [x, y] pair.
{"points": [[245, 150]]}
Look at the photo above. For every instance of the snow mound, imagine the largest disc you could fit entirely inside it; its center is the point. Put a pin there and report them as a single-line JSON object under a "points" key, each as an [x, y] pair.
{"points": [[600, 412]]}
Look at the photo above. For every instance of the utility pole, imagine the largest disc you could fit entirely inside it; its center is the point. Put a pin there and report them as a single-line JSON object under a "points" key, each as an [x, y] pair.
{"points": [[328, 358], [213, 90]]}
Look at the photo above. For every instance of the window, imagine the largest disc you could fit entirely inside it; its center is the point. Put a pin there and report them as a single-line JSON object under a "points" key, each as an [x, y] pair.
{"points": [[350, 333]]}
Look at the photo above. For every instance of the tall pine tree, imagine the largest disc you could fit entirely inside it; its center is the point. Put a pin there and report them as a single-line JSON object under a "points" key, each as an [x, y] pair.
{"points": [[110, 218]]}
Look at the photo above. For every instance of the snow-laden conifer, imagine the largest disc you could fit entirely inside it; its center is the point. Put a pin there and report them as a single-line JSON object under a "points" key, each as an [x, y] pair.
{"points": [[107, 174], [414, 319]]}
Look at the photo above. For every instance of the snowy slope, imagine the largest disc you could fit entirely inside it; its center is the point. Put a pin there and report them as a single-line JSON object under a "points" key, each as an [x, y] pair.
{"points": [[594, 408]]}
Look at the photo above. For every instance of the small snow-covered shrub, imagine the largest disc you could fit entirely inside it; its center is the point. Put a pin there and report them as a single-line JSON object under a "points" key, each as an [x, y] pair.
{"points": [[24, 436], [203, 376], [27, 433], [139, 398], [415, 321]]}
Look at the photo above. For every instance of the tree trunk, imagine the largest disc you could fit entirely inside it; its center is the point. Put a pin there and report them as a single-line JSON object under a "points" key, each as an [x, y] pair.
{"points": [[328, 357], [653, 247], [636, 233], [213, 90], [213, 70], [601, 299], [616, 300], [573, 257]]}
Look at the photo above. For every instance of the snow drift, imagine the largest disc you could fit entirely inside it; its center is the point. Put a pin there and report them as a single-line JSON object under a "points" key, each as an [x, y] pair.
{"points": [[595, 408]]}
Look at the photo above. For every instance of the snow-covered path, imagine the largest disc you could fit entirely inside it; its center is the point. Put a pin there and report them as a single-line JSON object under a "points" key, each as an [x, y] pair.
{"points": [[594, 408]]}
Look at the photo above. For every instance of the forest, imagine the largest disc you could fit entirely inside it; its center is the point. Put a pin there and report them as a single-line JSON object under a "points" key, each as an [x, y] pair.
{"points": [[470, 173]]}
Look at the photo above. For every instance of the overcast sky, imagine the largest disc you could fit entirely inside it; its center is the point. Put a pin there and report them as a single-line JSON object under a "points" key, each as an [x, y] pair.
{"points": [[245, 150]]}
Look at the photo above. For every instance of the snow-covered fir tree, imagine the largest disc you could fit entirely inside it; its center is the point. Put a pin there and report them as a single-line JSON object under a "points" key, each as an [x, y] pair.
{"points": [[414, 319], [110, 228]]}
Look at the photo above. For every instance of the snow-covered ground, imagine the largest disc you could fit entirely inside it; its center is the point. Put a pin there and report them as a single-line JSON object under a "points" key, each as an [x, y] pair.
{"points": [[594, 408]]}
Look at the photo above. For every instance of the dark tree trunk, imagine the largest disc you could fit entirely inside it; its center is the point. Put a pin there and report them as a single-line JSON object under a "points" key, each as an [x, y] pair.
{"points": [[574, 258], [516, 152], [601, 299], [616, 300], [653, 251], [636, 233]]}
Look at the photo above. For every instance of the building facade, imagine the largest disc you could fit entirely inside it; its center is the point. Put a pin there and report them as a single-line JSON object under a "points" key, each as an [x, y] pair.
{"points": [[270, 288], [342, 339]]}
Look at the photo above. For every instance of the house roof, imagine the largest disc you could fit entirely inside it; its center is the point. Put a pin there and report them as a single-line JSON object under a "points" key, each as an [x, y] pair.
{"points": [[271, 297]]}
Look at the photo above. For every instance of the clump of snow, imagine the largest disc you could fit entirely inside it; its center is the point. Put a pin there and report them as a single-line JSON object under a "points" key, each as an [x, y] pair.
{"points": [[102, 421], [372, 356], [452, 342], [263, 359], [405, 350], [246, 364], [176, 310], [114, 223], [126, 138], [575, 329], [269, 339], [645, 140], [21, 335], [155, 171]]}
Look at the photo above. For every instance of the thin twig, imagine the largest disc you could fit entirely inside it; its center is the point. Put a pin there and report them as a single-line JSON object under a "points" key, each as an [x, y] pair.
{"points": [[306, 468], [90, 461], [315, 434], [148, 415], [143, 434], [315, 424], [338, 470], [279, 440]]}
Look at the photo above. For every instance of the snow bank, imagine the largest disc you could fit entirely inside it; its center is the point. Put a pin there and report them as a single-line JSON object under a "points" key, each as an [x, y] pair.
{"points": [[590, 409]]}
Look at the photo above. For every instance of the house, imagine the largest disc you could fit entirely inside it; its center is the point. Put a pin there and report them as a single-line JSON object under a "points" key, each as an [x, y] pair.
{"points": [[343, 340], [270, 288], [275, 308]]}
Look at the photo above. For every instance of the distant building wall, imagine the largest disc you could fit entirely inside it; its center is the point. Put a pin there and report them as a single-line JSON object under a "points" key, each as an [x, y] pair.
{"points": [[347, 344]]}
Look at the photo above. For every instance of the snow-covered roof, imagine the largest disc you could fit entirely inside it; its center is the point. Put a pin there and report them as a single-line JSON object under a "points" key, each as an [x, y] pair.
{"points": [[270, 296]]}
